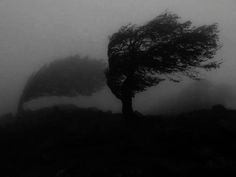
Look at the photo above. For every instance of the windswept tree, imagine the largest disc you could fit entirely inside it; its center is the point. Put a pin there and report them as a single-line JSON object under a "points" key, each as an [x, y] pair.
{"points": [[164, 48], [71, 76]]}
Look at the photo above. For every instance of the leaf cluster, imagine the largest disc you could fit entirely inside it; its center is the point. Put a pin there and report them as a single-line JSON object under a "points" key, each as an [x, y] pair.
{"points": [[158, 49], [69, 76]]}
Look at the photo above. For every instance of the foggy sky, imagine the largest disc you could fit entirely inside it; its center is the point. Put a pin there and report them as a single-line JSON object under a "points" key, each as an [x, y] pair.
{"points": [[33, 32]]}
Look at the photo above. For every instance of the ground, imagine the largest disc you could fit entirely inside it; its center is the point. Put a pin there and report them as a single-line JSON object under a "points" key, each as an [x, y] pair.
{"points": [[64, 141]]}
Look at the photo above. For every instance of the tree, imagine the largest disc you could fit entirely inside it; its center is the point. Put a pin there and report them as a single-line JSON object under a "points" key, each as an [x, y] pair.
{"points": [[164, 48], [69, 76]]}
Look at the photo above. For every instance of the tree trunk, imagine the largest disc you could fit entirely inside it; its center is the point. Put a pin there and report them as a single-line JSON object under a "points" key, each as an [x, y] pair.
{"points": [[127, 107], [126, 98]]}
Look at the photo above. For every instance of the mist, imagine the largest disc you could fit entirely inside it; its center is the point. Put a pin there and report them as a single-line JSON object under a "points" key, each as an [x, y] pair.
{"points": [[194, 97], [72, 105], [37, 32]]}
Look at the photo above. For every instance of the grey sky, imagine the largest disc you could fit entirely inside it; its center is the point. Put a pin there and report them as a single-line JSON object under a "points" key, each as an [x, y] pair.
{"points": [[33, 32]]}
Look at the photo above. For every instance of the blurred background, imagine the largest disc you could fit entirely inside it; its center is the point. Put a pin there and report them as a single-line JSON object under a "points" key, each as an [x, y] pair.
{"points": [[33, 33]]}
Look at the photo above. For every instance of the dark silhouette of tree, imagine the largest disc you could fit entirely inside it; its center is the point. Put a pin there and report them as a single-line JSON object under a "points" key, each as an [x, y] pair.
{"points": [[70, 77], [164, 48]]}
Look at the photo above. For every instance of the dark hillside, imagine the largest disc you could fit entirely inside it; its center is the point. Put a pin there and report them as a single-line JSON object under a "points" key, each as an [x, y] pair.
{"points": [[68, 141]]}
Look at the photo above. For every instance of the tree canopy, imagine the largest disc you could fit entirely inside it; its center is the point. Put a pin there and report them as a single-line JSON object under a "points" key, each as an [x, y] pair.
{"points": [[165, 47], [69, 76]]}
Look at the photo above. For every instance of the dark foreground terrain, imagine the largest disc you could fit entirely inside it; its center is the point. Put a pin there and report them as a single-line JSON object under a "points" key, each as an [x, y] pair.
{"points": [[66, 141]]}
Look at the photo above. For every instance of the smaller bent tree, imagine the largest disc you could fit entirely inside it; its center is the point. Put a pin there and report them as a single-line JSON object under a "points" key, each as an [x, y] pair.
{"points": [[70, 76], [142, 56]]}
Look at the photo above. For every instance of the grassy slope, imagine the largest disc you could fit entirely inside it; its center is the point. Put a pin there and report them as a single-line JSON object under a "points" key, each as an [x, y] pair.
{"points": [[68, 141]]}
